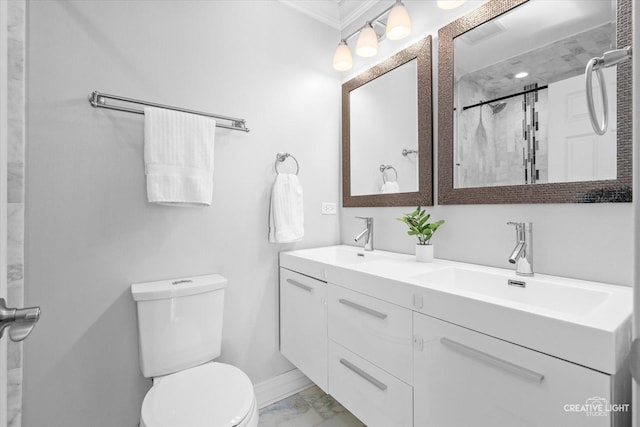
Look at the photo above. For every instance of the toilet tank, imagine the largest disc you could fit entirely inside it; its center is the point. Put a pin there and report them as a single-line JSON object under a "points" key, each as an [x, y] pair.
{"points": [[179, 322]]}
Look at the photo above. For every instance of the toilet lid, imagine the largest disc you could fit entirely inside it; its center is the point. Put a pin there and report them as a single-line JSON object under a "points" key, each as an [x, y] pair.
{"points": [[211, 395]]}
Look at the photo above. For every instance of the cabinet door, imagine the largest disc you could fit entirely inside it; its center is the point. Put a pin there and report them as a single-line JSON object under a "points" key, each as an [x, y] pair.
{"points": [[303, 324], [464, 378]]}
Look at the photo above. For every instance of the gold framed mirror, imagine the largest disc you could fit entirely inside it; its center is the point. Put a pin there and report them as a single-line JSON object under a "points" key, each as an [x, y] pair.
{"points": [[505, 137], [387, 132]]}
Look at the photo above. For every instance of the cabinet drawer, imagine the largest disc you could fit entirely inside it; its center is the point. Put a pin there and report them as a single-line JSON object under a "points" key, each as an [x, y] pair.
{"points": [[376, 330], [464, 378], [303, 324], [371, 394]]}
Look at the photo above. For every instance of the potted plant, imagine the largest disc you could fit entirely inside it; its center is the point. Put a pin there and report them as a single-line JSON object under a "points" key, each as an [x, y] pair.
{"points": [[419, 226]]}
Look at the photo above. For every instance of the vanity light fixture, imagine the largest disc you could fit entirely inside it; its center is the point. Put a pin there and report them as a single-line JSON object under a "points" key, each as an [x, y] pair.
{"points": [[398, 26], [342, 60], [521, 75], [367, 44], [398, 23], [450, 4]]}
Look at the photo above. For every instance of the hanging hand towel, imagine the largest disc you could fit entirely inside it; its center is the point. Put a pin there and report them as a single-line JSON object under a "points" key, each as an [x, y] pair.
{"points": [[390, 187], [286, 213], [178, 157]]}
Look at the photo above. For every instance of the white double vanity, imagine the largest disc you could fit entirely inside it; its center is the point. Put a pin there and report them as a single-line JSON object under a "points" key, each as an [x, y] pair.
{"points": [[402, 343]]}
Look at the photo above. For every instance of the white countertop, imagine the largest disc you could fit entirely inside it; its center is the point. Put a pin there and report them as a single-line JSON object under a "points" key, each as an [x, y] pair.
{"points": [[584, 322]]}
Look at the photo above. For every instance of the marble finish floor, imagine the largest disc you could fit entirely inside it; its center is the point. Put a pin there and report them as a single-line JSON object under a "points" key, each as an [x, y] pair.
{"points": [[309, 408]]}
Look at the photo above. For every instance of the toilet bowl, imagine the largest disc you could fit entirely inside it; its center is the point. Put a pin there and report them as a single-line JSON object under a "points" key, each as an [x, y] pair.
{"points": [[180, 330], [209, 395]]}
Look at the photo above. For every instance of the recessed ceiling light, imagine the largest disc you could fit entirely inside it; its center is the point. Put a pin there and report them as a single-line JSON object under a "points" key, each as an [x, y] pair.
{"points": [[521, 75]]}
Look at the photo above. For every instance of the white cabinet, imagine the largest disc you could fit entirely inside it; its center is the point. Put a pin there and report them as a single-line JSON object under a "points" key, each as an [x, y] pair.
{"points": [[465, 378], [377, 330], [362, 338], [370, 357], [373, 395], [303, 324]]}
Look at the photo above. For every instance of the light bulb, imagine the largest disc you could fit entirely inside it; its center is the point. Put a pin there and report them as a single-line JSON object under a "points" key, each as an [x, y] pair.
{"points": [[367, 44], [398, 23], [342, 60], [450, 4]]}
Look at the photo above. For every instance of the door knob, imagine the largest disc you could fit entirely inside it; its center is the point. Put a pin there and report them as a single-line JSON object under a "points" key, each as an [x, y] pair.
{"points": [[20, 321]]}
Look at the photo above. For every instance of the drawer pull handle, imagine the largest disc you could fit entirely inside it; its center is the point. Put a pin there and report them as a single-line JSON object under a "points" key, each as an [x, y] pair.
{"points": [[493, 360], [362, 308], [300, 285], [382, 386]]}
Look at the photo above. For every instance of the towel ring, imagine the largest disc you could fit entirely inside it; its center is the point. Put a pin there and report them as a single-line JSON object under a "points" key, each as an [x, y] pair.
{"points": [[384, 168], [281, 157]]}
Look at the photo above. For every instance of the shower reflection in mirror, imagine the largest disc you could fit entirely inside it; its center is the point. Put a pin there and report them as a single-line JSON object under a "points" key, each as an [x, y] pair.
{"points": [[520, 114]]}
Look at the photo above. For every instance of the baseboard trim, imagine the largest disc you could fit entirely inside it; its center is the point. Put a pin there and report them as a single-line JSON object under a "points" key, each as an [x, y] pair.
{"points": [[280, 387]]}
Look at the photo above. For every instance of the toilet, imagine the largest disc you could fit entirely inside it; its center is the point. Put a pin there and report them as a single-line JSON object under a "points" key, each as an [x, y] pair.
{"points": [[180, 334]]}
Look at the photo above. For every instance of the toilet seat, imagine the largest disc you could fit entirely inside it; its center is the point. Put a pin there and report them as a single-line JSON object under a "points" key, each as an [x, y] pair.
{"points": [[209, 395]]}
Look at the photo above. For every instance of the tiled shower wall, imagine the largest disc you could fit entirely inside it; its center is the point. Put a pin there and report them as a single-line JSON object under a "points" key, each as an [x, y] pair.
{"points": [[490, 146], [15, 196]]}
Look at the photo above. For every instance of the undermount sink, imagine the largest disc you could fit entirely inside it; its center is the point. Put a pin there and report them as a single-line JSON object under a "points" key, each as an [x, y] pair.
{"points": [[544, 293]]}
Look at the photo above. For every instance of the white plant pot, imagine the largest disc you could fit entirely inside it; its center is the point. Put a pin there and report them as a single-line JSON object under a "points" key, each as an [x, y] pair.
{"points": [[424, 253]]}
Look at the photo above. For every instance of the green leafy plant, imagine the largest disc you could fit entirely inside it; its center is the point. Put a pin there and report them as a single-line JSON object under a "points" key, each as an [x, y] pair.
{"points": [[419, 225]]}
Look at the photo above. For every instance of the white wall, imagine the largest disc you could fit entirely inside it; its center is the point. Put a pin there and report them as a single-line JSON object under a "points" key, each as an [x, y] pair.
{"points": [[592, 241], [90, 231]]}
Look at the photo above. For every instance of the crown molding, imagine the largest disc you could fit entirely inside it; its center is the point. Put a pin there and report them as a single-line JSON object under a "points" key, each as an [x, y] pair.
{"points": [[326, 12], [336, 14], [356, 13]]}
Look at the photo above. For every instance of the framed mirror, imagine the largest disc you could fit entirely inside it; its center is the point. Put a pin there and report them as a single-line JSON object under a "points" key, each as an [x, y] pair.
{"points": [[512, 111], [386, 132]]}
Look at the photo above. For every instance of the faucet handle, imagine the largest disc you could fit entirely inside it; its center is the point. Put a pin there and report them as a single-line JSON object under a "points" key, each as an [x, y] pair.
{"points": [[366, 218], [519, 225]]}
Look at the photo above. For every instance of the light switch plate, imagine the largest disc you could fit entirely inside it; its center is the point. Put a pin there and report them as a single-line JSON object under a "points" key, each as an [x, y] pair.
{"points": [[328, 208]]}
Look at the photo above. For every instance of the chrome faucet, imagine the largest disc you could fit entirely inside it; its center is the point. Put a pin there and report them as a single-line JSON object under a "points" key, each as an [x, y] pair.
{"points": [[522, 255], [368, 232]]}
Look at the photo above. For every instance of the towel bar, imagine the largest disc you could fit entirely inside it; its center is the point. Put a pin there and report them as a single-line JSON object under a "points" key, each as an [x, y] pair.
{"points": [[98, 100]]}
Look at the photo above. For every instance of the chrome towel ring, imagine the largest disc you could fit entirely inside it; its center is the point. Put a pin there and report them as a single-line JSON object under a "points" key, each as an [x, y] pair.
{"points": [[384, 168], [609, 59], [281, 157]]}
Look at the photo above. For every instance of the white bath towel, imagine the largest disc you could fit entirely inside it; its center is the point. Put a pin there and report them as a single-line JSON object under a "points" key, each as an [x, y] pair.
{"points": [[286, 213], [390, 187], [178, 157]]}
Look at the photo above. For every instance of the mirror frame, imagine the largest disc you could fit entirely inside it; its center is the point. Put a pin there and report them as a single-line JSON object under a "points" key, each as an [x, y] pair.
{"points": [[421, 51], [618, 190]]}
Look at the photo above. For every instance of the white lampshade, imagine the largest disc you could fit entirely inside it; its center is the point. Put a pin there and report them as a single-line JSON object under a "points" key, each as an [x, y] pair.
{"points": [[342, 60], [398, 23], [450, 4], [367, 44]]}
